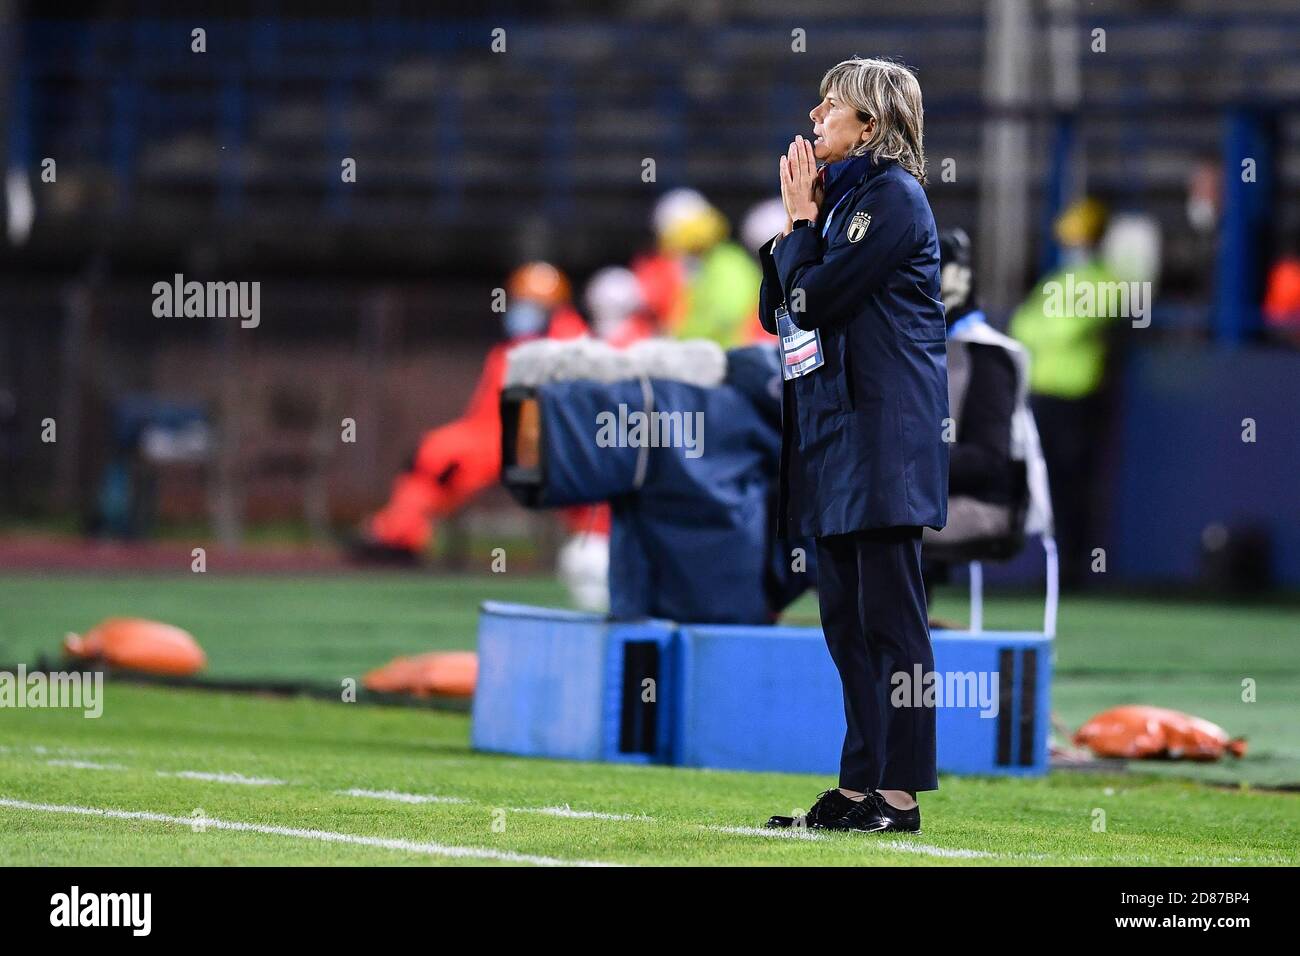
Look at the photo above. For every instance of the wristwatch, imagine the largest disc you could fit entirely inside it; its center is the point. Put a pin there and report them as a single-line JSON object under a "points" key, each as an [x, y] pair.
{"points": [[801, 223]]}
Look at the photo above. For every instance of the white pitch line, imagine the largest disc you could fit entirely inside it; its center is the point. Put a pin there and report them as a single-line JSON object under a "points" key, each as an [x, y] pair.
{"points": [[324, 836], [221, 777], [393, 795], [927, 850], [788, 833], [900, 845], [570, 813], [399, 797], [42, 750], [565, 811]]}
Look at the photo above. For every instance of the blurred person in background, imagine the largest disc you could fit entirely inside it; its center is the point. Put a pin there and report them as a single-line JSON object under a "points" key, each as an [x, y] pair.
{"points": [[700, 284], [1203, 208], [983, 389], [997, 478], [661, 273], [617, 308], [1067, 378], [456, 461], [1282, 294]]}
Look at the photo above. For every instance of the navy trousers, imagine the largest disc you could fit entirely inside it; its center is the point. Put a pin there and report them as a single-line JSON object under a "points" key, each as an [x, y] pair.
{"points": [[874, 617]]}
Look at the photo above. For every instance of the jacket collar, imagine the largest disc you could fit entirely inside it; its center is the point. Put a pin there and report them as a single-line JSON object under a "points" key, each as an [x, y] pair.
{"points": [[844, 175]]}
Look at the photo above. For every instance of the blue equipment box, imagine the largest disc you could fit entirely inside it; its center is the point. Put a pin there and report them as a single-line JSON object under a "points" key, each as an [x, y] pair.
{"points": [[769, 699], [555, 683]]}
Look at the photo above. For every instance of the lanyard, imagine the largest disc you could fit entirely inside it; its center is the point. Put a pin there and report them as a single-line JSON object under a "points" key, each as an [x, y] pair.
{"points": [[827, 228]]}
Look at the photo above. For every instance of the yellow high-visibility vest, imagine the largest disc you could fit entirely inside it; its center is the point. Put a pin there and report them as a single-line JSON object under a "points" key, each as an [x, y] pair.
{"points": [[1063, 324]]}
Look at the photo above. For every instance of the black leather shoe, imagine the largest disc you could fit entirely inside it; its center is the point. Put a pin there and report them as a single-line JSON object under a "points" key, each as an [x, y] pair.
{"points": [[872, 814], [830, 805]]}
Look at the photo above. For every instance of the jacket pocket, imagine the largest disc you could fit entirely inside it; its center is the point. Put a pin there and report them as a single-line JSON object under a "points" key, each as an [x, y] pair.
{"points": [[845, 378], [924, 331], [817, 406], [826, 386]]}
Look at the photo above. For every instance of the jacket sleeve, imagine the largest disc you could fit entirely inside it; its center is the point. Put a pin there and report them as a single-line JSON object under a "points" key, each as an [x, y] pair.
{"points": [[769, 294], [834, 279]]}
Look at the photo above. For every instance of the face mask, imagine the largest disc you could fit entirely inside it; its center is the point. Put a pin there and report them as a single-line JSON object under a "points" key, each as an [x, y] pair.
{"points": [[525, 318], [605, 324], [1201, 213]]}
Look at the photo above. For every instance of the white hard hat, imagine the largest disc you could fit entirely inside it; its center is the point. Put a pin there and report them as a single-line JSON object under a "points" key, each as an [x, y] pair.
{"points": [[612, 295], [675, 206]]}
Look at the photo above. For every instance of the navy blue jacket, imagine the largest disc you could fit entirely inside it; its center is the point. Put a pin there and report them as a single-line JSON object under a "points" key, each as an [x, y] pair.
{"points": [[862, 436]]}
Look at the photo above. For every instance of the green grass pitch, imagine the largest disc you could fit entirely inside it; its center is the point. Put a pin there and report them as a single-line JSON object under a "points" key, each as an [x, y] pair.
{"points": [[172, 776]]}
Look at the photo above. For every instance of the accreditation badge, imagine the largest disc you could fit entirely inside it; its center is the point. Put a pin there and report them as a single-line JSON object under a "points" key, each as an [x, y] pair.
{"points": [[801, 352]]}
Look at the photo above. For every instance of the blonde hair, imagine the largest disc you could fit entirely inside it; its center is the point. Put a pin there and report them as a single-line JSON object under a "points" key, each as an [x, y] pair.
{"points": [[889, 93]]}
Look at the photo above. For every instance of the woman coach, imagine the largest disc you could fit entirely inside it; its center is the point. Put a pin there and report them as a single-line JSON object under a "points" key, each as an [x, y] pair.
{"points": [[851, 286]]}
